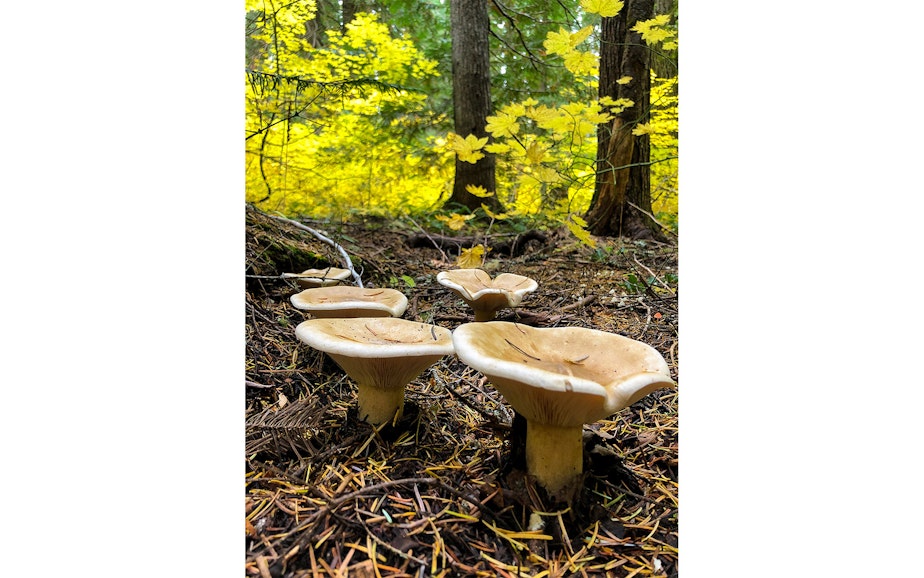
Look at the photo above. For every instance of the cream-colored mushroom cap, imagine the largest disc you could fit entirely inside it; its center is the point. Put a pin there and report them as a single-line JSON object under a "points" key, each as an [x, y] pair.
{"points": [[381, 354], [320, 277], [485, 295], [350, 301], [565, 376], [560, 378]]}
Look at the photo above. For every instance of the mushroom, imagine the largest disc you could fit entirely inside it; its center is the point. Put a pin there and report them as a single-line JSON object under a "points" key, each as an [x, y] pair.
{"points": [[382, 355], [319, 277], [560, 378], [350, 301], [484, 295]]}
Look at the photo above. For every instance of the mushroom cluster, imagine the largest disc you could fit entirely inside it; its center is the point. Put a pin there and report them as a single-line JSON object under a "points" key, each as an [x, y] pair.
{"points": [[557, 378]]}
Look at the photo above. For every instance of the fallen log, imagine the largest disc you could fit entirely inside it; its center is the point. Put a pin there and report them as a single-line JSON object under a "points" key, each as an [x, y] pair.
{"points": [[512, 247]]}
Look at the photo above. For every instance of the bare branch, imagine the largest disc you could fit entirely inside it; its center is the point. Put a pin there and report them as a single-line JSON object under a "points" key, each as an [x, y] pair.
{"points": [[346, 257]]}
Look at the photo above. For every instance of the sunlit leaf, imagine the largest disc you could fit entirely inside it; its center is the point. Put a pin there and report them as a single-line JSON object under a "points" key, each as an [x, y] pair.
{"points": [[641, 129], [502, 125], [479, 191], [580, 36], [455, 221], [467, 148], [542, 114], [470, 258], [579, 62], [535, 152], [497, 148], [581, 233], [624, 80], [517, 109], [488, 212], [656, 30], [558, 42], [605, 8]]}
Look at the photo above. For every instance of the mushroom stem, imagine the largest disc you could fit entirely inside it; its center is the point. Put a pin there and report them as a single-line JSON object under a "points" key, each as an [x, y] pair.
{"points": [[554, 455], [378, 405], [485, 314]]}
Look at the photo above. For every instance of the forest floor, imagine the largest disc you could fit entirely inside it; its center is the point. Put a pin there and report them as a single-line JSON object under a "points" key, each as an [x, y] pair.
{"points": [[443, 492]]}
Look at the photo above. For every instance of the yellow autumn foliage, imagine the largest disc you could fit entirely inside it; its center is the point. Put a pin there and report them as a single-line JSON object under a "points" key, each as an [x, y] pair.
{"points": [[326, 153]]}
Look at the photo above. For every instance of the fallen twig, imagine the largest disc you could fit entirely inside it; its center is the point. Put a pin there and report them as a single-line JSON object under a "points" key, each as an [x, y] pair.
{"points": [[346, 257], [249, 383]]}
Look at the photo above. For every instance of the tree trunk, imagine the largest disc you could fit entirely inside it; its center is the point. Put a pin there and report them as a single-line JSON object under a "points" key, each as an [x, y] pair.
{"points": [[471, 95], [622, 192], [664, 66]]}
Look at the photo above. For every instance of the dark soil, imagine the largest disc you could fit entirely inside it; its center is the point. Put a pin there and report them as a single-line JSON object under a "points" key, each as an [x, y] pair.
{"points": [[443, 492]]}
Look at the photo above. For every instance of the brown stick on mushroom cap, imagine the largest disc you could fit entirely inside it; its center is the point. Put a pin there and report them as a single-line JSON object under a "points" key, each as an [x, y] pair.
{"points": [[560, 378], [487, 296], [382, 355], [349, 301]]}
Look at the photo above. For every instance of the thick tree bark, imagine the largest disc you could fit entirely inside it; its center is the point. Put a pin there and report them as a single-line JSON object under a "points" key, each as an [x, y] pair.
{"points": [[622, 192], [471, 94]]}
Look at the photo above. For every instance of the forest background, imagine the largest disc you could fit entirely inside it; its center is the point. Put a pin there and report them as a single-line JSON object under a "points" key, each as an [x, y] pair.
{"points": [[361, 108], [125, 174]]}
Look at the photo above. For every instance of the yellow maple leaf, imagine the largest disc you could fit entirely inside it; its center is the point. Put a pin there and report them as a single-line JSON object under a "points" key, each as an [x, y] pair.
{"points": [[467, 148], [558, 42], [497, 148], [580, 36], [641, 129], [605, 8], [535, 152], [654, 31], [581, 233], [478, 191], [488, 212], [455, 221], [471, 258], [516, 109], [503, 124], [548, 175], [581, 63], [615, 106], [624, 80], [543, 114]]}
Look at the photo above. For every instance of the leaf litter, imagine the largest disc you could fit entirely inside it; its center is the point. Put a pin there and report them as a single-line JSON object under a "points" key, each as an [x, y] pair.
{"points": [[443, 492]]}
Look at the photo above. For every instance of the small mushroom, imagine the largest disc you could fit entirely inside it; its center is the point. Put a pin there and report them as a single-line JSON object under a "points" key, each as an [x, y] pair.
{"points": [[484, 295], [350, 301], [319, 277], [382, 355], [560, 378]]}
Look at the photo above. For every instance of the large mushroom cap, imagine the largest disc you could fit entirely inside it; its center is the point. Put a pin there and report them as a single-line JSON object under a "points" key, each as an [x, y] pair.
{"points": [[485, 295], [565, 376], [377, 338], [320, 277], [381, 354], [349, 301]]}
